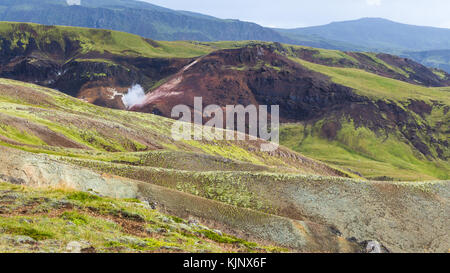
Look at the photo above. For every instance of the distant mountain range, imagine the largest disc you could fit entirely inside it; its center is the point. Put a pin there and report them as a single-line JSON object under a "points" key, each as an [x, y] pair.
{"points": [[432, 58], [428, 45], [380, 34], [135, 17]]}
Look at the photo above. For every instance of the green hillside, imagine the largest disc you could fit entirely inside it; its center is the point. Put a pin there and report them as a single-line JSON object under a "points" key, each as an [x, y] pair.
{"points": [[362, 147], [48, 139], [42, 120], [99, 41], [378, 87], [364, 157], [83, 222], [378, 153], [101, 147]]}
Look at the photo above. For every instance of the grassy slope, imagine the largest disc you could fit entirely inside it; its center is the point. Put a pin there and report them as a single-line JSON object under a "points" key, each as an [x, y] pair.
{"points": [[59, 216], [413, 214], [362, 150], [115, 42], [176, 165], [204, 169], [378, 87], [403, 164], [121, 43], [94, 40], [36, 117], [338, 58]]}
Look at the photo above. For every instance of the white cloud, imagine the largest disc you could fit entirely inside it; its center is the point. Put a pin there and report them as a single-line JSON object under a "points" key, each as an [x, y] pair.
{"points": [[73, 2], [373, 2], [445, 25]]}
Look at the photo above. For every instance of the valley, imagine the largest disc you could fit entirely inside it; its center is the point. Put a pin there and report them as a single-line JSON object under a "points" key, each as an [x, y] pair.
{"points": [[364, 152], [261, 197]]}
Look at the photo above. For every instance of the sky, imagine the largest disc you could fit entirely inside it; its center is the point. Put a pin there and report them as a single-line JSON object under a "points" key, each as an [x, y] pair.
{"points": [[302, 13]]}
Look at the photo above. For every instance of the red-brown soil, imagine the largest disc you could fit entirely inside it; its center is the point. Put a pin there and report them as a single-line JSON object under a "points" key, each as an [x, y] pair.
{"points": [[258, 75]]}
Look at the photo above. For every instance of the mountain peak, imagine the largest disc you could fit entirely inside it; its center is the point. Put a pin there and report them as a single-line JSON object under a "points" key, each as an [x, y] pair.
{"points": [[380, 34], [365, 20]]}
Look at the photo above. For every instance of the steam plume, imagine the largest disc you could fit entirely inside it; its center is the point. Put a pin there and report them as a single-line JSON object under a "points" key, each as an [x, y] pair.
{"points": [[135, 95]]}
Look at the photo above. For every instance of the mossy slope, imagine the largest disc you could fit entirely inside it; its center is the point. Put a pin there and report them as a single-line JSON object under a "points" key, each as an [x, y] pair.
{"points": [[406, 137], [54, 218], [42, 120]]}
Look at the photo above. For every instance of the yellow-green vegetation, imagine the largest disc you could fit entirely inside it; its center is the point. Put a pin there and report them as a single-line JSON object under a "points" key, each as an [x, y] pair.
{"points": [[77, 129], [440, 74], [243, 189], [362, 151], [340, 58], [114, 42], [333, 55], [232, 187], [229, 44], [378, 155], [97, 61], [19, 135], [380, 62], [95, 40], [378, 87], [230, 184], [48, 220]]}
